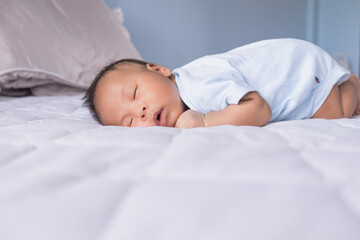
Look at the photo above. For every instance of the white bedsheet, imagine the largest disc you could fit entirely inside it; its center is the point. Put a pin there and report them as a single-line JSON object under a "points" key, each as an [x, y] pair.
{"points": [[64, 177]]}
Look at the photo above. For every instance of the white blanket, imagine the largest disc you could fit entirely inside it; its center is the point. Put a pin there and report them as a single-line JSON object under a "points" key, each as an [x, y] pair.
{"points": [[64, 177]]}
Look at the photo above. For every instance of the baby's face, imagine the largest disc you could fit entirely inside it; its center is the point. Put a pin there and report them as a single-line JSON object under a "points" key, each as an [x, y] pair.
{"points": [[138, 96]]}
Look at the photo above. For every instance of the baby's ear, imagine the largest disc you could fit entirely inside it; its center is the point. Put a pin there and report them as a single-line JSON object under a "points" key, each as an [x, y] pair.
{"points": [[158, 68]]}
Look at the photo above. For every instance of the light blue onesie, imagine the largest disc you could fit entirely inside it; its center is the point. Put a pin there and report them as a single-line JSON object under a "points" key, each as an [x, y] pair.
{"points": [[293, 76]]}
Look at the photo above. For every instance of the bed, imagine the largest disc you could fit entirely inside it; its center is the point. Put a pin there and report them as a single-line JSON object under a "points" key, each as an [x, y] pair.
{"points": [[64, 176]]}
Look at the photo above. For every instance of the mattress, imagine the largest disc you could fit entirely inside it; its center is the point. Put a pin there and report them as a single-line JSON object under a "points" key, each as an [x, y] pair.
{"points": [[63, 176]]}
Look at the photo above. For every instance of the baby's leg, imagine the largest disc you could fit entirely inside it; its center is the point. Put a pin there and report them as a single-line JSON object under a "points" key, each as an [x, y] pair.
{"points": [[343, 101], [350, 96]]}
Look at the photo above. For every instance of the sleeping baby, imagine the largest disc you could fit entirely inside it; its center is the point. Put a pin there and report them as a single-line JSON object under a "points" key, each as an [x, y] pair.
{"points": [[266, 81]]}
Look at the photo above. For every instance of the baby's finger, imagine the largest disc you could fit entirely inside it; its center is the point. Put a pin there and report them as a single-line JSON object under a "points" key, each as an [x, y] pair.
{"points": [[178, 123], [181, 123]]}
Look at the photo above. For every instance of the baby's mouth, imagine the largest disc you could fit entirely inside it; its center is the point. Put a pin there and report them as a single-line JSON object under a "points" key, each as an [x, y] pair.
{"points": [[157, 117], [160, 118]]}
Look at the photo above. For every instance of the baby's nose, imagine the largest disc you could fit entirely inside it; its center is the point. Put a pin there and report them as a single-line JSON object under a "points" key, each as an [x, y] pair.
{"points": [[143, 113]]}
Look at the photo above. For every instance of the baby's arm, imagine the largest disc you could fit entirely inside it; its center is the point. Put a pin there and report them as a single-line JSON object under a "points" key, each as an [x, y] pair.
{"points": [[252, 110]]}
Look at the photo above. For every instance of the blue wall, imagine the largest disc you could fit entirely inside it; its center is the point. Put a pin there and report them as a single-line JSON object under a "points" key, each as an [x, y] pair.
{"points": [[173, 33], [338, 29]]}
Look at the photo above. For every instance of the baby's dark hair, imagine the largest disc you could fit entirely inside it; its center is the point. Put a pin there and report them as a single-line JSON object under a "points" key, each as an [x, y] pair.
{"points": [[90, 93]]}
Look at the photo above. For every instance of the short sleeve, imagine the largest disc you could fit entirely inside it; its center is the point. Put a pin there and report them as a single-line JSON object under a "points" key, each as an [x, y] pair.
{"points": [[211, 83], [234, 95]]}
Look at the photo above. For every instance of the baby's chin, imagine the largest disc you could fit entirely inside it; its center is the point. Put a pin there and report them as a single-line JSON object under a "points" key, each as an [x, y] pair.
{"points": [[172, 124], [175, 120]]}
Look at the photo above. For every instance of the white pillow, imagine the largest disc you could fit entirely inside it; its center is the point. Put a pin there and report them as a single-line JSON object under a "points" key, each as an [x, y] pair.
{"points": [[57, 47]]}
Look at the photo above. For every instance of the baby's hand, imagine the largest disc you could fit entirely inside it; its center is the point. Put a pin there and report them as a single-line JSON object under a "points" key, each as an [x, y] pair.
{"points": [[190, 119]]}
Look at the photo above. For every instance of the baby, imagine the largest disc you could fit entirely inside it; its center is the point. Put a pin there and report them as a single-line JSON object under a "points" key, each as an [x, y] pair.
{"points": [[266, 81]]}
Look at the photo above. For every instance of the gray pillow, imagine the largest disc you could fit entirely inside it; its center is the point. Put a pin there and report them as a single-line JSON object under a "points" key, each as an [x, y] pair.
{"points": [[56, 47]]}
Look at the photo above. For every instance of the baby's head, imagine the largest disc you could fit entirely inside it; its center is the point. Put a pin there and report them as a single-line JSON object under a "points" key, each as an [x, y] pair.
{"points": [[134, 93]]}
